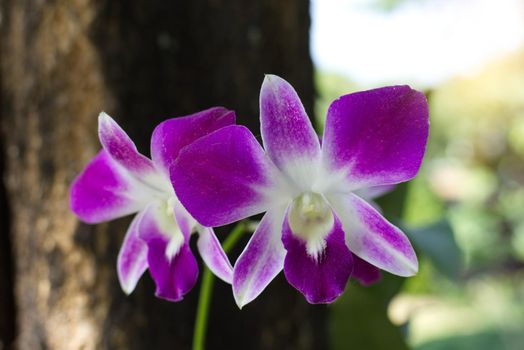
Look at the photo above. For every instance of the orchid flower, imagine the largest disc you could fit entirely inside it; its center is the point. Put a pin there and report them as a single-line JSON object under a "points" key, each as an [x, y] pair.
{"points": [[120, 181], [316, 227]]}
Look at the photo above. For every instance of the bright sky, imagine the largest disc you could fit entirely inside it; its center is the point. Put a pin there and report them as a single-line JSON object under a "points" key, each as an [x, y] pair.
{"points": [[422, 42]]}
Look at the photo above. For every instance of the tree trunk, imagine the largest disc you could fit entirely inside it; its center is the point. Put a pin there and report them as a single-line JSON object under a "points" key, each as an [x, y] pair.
{"points": [[62, 62]]}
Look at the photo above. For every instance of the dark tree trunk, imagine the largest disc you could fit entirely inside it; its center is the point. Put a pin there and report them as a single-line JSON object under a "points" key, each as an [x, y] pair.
{"points": [[141, 61], [7, 307]]}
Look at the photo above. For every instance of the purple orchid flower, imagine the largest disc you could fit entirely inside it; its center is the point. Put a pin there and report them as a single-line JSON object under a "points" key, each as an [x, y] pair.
{"points": [[315, 227], [120, 181]]}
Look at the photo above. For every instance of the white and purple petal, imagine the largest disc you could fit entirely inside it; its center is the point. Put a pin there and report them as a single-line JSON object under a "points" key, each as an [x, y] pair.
{"points": [[104, 191], [322, 278], [376, 137], [213, 255], [170, 260], [170, 136], [261, 260], [132, 258], [372, 238], [289, 137], [223, 177], [121, 148]]}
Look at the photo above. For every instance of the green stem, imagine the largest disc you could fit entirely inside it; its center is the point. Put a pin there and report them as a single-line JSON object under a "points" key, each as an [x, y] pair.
{"points": [[206, 291], [204, 300], [234, 236]]}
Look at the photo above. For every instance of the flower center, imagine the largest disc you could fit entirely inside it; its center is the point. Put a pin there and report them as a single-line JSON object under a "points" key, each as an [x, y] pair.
{"points": [[311, 219], [170, 206]]}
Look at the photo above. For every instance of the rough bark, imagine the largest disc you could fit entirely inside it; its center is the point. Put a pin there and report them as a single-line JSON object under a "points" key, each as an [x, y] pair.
{"points": [[141, 61]]}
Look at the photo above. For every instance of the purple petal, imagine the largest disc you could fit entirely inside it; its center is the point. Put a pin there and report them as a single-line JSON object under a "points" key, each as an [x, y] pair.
{"points": [[373, 238], [121, 148], [132, 258], [261, 260], [220, 178], [171, 263], [174, 134], [104, 192], [364, 272], [286, 129], [377, 137], [213, 255], [321, 279]]}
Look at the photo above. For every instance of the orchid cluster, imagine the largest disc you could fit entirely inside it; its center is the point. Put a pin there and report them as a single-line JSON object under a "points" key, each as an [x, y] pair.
{"points": [[320, 225]]}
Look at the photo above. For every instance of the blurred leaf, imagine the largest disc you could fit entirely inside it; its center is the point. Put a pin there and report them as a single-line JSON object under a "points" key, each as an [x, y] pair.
{"points": [[359, 318], [385, 289], [484, 340], [422, 207], [438, 243], [426, 281], [392, 203]]}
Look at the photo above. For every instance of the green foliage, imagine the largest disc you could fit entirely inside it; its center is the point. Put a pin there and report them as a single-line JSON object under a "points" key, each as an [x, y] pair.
{"points": [[359, 318], [422, 205], [393, 204], [485, 340], [438, 243]]}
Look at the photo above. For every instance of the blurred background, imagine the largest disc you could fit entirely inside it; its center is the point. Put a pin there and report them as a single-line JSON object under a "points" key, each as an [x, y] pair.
{"points": [[464, 211], [62, 62]]}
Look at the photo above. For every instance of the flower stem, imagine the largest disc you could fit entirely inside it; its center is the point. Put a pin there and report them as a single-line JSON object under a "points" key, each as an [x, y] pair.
{"points": [[206, 290], [204, 300], [234, 236]]}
